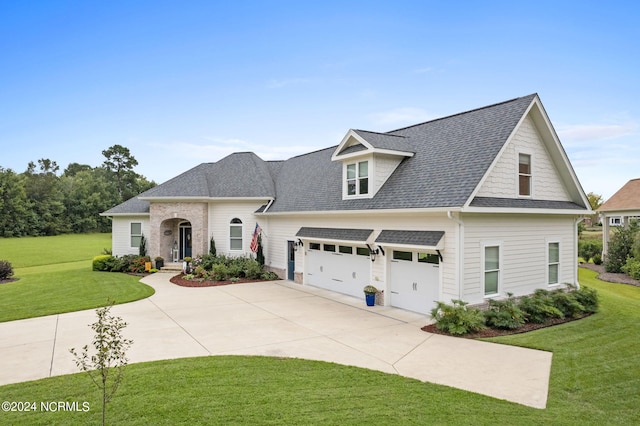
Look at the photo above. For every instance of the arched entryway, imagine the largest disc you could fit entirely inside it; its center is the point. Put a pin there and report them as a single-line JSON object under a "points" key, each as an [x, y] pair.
{"points": [[186, 240]]}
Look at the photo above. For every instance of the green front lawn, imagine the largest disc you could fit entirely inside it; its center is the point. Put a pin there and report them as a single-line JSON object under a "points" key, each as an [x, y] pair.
{"points": [[595, 379], [55, 276]]}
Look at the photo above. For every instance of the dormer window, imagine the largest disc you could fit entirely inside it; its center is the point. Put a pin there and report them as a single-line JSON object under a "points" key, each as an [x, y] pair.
{"points": [[524, 175], [358, 178]]}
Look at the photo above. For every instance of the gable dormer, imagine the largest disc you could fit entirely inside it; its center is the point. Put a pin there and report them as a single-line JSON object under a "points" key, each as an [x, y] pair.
{"points": [[368, 159]]}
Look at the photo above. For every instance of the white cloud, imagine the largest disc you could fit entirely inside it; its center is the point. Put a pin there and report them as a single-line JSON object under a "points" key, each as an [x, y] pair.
{"points": [[579, 133], [278, 84], [401, 116]]}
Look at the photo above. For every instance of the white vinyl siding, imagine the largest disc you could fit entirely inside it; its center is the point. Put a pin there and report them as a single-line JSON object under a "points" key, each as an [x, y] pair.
{"points": [[121, 234], [546, 183], [220, 216], [524, 252]]}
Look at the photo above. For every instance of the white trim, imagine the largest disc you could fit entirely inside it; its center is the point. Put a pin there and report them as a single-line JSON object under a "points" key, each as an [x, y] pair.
{"points": [[202, 199], [131, 234], [241, 226], [483, 246], [531, 185], [548, 241]]}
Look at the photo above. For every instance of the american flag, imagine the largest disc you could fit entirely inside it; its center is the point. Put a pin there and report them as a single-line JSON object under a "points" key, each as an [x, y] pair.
{"points": [[254, 240]]}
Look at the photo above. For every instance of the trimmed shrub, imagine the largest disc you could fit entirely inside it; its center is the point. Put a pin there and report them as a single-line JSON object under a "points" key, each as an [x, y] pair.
{"points": [[269, 276], [538, 307], [6, 270], [137, 266], [102, 262], [589, 249], [632, 268], [597, 259], [620, 247], [567, 303], [220, 272], [457, 319], [253, 270], [504, 314], [588, 298]]}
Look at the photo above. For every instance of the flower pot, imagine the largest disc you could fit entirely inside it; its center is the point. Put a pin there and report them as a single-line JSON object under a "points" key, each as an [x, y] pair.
{"points": [[370, 298]]}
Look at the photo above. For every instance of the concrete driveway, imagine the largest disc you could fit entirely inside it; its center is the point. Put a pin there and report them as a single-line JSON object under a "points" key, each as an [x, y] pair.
{"points": [[280, 319]]}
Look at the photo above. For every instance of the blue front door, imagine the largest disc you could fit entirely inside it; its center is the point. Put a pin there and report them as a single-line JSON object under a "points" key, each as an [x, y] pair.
{"points": [[291, 265], [185, 240]]}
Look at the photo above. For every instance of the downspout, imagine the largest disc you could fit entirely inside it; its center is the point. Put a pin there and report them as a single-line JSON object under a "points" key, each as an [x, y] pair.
{"points": [[459, 269], [268, 205], [575, 248]]}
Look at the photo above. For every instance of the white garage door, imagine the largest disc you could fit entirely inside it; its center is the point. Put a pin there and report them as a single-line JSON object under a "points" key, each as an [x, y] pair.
{"points": [[414, 280], [341, 268]]}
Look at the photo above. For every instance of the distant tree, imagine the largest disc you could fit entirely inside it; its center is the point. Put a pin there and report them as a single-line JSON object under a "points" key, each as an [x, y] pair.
{"points": [[13, 205], [75, 168], [45, 210], [87, 193], [595, 201], [120, 162]]}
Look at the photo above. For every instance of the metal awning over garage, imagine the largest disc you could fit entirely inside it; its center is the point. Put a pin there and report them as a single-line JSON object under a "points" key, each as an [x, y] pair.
{"points": [[335, 234], [432, 240]]}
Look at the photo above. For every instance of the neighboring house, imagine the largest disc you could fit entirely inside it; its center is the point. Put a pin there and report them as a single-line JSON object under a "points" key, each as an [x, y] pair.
{"points": [[623, 206], [469, 206]]}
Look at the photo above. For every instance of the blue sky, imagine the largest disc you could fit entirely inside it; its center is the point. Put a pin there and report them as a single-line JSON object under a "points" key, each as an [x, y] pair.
{"points": [[185, 82]]}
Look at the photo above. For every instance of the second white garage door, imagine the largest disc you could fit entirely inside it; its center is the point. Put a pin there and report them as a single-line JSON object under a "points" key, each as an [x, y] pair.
{"points": [[414, 280]]}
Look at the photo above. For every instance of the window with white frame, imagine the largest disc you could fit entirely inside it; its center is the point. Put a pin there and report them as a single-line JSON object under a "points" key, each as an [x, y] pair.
{"points": [[358, 178], [524, 175], [554, 263], [491, 270], [235, 234], [136, 234]]}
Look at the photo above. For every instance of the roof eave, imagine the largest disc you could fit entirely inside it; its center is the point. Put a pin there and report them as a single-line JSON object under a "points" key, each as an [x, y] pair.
{"points": [[511, 210]]}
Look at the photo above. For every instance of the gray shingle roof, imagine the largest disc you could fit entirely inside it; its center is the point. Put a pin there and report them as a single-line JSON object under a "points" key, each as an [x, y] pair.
{"points": [[131, 206], [239, 175], [451, 155], [413, 238], [523, 203], [384, 140], [345, 234]]}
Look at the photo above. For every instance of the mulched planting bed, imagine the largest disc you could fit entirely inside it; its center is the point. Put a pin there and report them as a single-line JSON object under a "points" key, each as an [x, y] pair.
{"points": [[179, 280], [10, 280], [492, 332]]}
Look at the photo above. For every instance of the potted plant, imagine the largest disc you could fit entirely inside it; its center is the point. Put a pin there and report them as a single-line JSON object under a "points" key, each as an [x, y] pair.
{"points": [[159, 262], [370, 295]]}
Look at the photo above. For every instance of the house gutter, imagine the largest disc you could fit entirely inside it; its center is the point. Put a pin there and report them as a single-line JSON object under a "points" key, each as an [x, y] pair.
{"points": [[459, 270]]}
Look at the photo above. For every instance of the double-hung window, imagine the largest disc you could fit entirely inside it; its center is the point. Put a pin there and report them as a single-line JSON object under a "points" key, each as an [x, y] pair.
{"points": [[358, 178], [491, 270], [524, 175], [554, 263], [136, 234], [235, 234]]}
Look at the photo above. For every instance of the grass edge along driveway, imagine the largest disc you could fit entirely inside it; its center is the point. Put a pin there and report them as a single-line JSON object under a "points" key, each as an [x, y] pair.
{"points": [[594, 380], [56, 277]]}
